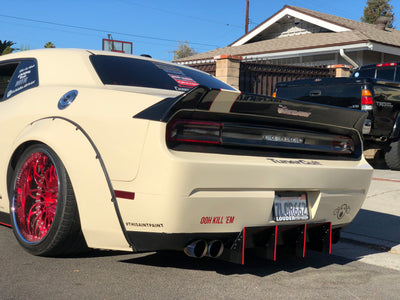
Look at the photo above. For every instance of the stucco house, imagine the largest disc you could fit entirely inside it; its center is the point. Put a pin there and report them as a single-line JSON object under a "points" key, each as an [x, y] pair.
{"points": [[299, 36]]}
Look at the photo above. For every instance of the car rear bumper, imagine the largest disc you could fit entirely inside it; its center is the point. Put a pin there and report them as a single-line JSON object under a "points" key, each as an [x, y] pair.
{"points": [[210, 195]]}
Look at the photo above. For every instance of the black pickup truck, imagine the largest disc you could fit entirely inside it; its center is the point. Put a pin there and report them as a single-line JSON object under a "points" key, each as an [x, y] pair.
{"points": [[372, 88]]}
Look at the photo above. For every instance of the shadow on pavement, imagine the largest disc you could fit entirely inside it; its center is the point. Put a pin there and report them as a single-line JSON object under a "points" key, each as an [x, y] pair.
{"points": [[378, 161], [253, 265], [375, 228], [378, 232]]}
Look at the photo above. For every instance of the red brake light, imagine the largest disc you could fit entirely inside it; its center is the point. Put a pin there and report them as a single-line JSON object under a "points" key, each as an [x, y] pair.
{"points": [[367, 101], [366, 97], [387, 65]]}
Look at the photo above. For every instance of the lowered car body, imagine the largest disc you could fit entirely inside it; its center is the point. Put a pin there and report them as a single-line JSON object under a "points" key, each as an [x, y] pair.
{"points": [[112, 151]]}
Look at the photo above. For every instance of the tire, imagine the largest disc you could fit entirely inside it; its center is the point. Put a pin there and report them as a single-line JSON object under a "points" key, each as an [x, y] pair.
{"points": [[44, 214], [392, 157]]}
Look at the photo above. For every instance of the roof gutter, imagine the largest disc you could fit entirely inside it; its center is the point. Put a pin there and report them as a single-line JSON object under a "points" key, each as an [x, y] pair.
{"points": [[306, 51], [348, 59]]}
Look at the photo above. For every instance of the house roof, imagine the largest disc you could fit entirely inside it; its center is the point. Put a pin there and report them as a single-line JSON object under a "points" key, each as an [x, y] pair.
{"points": [[337, 33]]}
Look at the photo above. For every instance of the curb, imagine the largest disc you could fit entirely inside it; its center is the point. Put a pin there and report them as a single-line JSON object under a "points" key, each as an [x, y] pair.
{"points": [[371, 242]]}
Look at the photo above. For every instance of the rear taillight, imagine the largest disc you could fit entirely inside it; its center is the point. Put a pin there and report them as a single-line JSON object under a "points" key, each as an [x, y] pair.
{"points": [[343, 144], [194, 131], [367, 101], [249, 136]]}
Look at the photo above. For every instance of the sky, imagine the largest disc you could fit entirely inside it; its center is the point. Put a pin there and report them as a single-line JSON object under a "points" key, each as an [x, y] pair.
{"points": [[155, 27]]}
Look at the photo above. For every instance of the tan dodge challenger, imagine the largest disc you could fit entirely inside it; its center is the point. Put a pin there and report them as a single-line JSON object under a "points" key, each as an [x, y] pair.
{"points": [[113, 151]]}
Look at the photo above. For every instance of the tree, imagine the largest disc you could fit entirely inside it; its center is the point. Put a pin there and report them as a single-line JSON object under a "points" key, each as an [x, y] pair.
{"points": [[7, 50], [378, 8], [5, 47], [49, 45], [183, 50], [24, 47]]}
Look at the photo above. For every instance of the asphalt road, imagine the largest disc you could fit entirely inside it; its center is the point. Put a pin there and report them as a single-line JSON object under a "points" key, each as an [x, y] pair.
{"points": [[170, 275], [356, 269]]}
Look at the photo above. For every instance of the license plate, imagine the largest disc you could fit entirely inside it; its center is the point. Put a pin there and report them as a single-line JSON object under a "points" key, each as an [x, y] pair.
{"points": [[290, 207]]}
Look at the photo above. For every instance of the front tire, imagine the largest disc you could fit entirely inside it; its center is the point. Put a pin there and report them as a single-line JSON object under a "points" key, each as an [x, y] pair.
{"points": [[392, 157], [44, 213]]}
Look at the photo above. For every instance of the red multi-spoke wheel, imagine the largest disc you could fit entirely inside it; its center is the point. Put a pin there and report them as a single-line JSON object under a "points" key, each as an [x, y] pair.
{"points": [[36, 194], [44, 213]]}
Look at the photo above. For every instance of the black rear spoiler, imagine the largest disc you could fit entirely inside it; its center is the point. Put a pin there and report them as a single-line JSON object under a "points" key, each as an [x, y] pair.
{"points": [[203, 99]]}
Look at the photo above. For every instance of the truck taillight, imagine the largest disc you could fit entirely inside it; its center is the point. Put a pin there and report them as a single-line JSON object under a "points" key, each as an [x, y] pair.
{"points": [[367, 101]]}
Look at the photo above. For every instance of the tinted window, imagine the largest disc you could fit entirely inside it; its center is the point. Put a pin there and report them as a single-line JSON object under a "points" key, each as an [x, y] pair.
{"points": [[6, 72], [385, 73], [24, 77], [144, 73], [397, 74], [344, 95], [365, 73]]}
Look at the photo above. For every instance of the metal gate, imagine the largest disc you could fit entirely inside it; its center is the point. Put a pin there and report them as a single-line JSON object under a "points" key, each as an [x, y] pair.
{"points": [[209, 68], [261, 77]]}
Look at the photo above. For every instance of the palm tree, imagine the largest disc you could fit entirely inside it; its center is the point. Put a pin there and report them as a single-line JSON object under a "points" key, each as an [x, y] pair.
{"points": [[5, 47], [49, 45]]}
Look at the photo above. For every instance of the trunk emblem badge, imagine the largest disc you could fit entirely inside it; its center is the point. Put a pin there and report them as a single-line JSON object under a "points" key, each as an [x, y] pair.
{"points": [[284, 110]]}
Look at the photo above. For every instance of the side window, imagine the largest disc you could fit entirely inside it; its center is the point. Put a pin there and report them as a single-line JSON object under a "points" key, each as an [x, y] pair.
{"points": [[24, 77], [397, 74], [385, 73], [365, 73], [6, 72]]}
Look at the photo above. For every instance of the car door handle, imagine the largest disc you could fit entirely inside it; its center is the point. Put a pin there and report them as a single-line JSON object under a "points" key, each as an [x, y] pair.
{"points": [[315, 93]]}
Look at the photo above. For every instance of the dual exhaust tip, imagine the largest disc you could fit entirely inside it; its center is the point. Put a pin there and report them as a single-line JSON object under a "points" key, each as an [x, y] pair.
{"points": [[201, 248]]}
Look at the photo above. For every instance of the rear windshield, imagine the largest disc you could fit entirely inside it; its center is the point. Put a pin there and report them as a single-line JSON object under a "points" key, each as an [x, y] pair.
{"points": [[344, 95], [126, 71]]}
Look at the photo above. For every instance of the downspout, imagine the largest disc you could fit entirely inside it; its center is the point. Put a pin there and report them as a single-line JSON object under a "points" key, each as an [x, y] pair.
{"points": [[348, 59]]}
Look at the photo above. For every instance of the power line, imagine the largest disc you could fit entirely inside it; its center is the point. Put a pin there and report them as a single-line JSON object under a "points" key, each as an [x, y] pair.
{"points": [[101, 30], [171, 12]]}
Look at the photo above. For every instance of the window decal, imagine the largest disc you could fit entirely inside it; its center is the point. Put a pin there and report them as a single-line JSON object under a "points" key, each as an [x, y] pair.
{"points": [[184, 82]]}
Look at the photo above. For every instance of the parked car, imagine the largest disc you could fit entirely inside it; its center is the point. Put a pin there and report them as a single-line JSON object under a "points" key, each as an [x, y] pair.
{"points": [[372, 88], [113, 151]]}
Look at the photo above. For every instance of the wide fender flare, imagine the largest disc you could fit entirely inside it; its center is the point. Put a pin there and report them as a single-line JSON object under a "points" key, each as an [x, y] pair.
{"points": [[99, 215]]}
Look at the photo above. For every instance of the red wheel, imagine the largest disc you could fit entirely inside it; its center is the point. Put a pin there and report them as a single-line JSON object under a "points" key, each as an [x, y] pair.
{"points": [[36, 195], [44, 213]]}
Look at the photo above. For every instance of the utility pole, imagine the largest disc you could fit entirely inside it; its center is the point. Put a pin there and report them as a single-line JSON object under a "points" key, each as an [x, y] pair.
{"points": [[112, 41], [246, 30]]}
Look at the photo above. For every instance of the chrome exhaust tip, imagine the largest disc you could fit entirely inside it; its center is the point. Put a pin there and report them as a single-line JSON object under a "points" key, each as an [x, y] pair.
{"points": [[197, 249], [215, 248]]}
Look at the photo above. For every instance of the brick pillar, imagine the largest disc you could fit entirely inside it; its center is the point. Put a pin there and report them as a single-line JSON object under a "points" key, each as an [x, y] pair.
{"points": [[228, 69]]}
